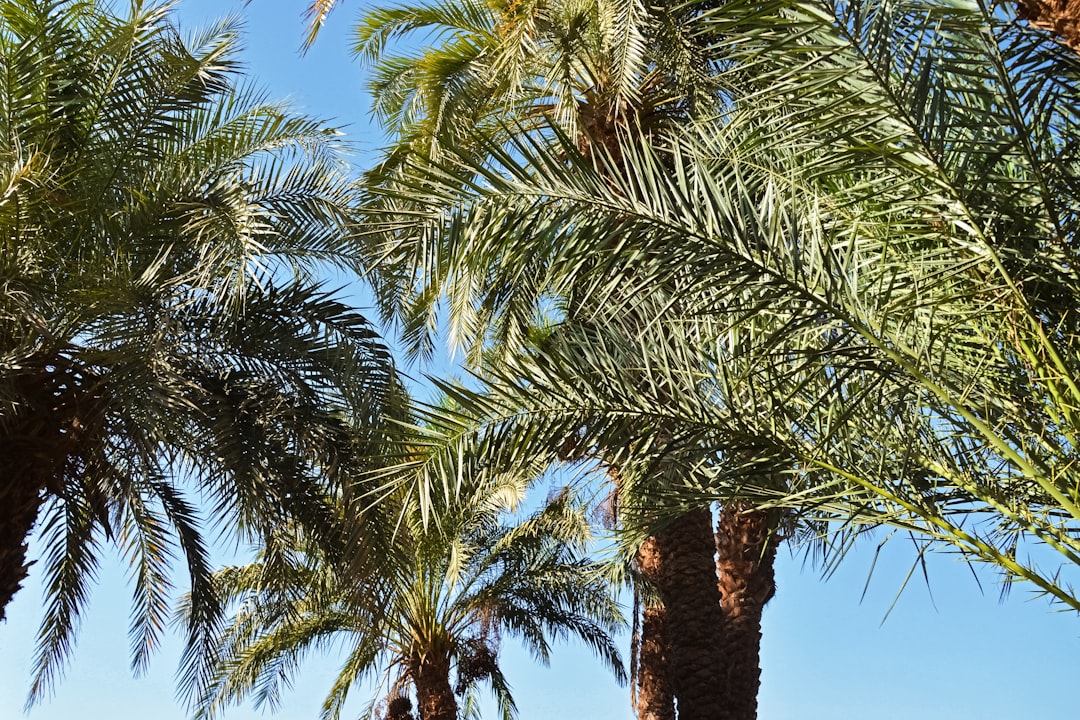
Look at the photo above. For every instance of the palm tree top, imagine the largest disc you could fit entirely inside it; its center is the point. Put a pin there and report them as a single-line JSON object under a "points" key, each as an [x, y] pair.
{"points": [[163, 334], [432, 609]]}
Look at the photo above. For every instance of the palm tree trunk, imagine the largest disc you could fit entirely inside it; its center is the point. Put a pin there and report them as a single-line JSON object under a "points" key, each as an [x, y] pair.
{"points": [[1061, 17], [655, 699], [21, 496], [54, 427], [746, 551], [36, 441], [694, 619], [434, 696]]}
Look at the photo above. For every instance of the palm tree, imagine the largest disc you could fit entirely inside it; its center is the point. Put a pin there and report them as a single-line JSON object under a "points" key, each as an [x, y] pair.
{"points": [[896, 194], [583, 67], [602, 73], [429, 615], [160, 328]]}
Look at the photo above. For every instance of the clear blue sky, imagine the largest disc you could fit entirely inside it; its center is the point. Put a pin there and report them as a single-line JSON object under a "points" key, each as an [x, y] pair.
{"points": [[826, 652]]}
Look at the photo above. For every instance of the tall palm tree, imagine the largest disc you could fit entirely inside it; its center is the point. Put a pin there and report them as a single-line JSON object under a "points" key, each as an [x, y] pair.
{"points": [[500, 70], [429, 615], [161, 330], [581, 68]]}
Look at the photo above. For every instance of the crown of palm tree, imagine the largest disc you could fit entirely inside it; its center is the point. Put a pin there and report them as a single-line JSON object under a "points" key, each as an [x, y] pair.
{"points": [[162, 334], [430, 610]]}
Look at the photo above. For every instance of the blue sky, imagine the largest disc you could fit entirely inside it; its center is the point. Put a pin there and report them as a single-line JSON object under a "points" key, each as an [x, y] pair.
{"points": [[958, 653]]}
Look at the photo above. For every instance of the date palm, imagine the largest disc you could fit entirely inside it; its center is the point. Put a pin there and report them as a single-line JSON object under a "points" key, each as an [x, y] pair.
{"points": [[526, 70], [161, 331], [522, 69], [428, 615]]}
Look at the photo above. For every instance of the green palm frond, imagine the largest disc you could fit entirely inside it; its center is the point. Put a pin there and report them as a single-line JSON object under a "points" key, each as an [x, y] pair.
{"points": [[862, 265], [484, 72]]}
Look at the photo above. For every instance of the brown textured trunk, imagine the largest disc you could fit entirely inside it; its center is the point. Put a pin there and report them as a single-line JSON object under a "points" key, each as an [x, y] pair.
{"points": [[434, 696], [1061, 17], [746, 551], [688, 587], [36, 440], [55, 424], [655, 699], [21, 495]]}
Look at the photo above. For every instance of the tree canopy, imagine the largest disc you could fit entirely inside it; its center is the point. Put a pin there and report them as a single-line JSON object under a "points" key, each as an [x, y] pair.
{"points": [[168, 354]]}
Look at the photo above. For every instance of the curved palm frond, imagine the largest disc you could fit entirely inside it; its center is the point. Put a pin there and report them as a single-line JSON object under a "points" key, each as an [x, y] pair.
{"points": [[869, 258]]}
